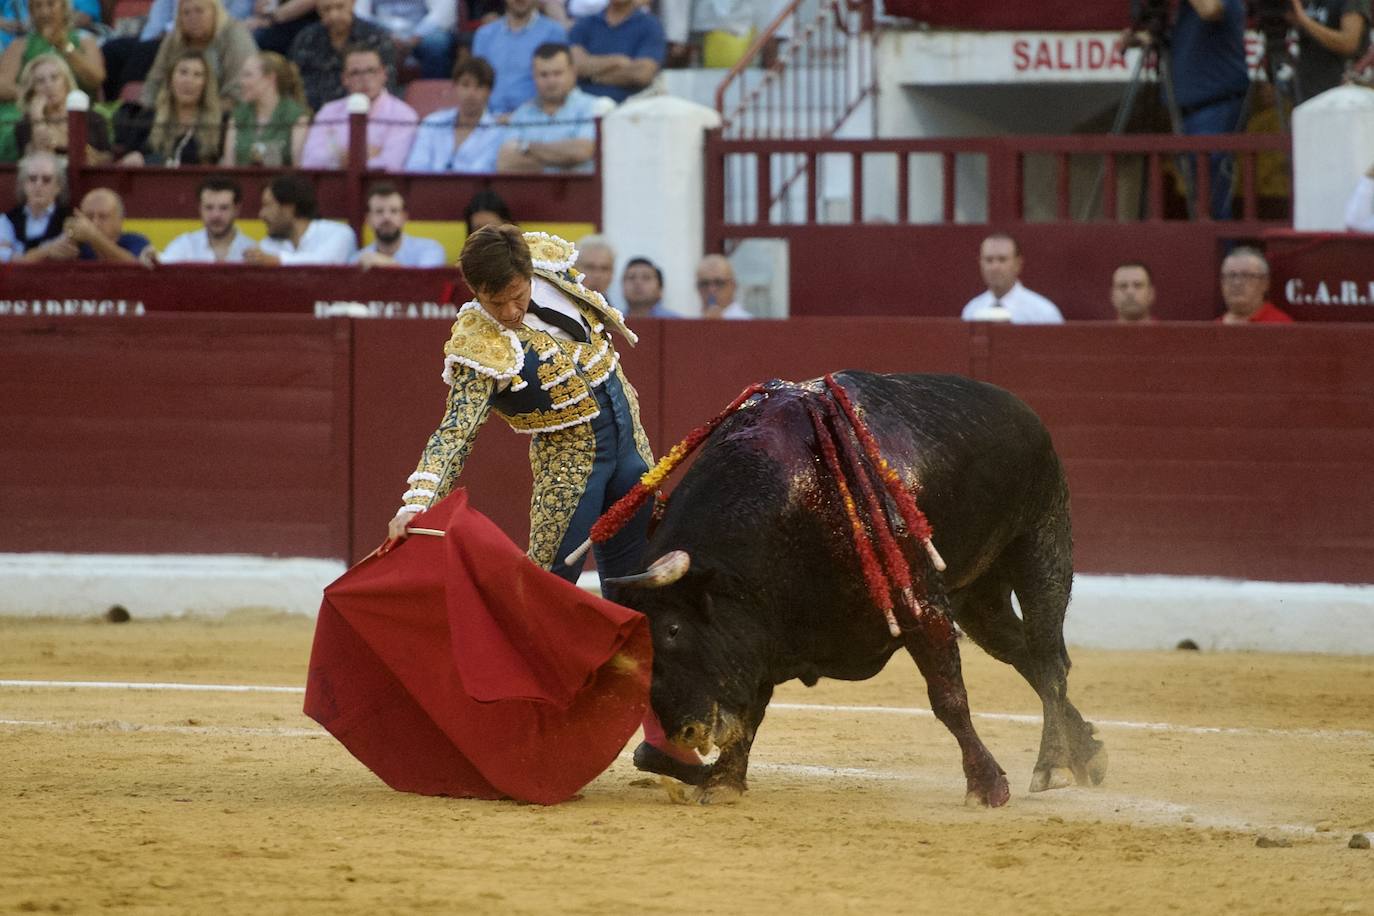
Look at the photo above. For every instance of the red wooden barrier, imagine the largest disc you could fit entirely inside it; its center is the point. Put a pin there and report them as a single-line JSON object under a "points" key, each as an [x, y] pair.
{"points": [[1191, 449]]}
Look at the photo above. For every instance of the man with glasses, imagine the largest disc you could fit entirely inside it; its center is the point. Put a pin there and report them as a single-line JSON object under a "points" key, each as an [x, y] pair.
{"points": [[391, 123], [1244, 288], [318, 51], [33, 230], [716, 287]]}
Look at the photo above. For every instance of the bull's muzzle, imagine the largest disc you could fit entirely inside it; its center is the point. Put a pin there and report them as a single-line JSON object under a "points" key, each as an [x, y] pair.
{"points": [[666, 570]]}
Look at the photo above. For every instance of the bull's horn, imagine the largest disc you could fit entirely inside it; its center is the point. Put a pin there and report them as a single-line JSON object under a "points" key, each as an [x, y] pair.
{"points": [[666, 570]]}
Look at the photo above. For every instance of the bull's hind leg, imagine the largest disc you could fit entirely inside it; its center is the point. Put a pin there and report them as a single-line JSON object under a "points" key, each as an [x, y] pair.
{"points": [[1039, 567], [935, 649]]}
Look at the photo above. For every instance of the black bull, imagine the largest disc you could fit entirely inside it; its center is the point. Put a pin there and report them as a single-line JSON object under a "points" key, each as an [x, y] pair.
{"points": [[773, 590]]}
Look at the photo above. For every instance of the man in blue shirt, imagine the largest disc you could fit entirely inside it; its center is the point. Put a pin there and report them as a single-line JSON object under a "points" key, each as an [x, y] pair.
{"points": [[556, 130], [508, 44], [1210, 81], [386, 215], [618, 51], [98, 230]]}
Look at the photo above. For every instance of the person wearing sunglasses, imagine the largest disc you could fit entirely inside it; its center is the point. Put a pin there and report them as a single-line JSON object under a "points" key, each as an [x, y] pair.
{"points": [[33, 230], [716, 287]]}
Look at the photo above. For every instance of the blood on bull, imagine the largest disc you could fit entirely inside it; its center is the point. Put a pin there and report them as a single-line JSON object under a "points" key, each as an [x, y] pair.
{"points": [[766, 567]]}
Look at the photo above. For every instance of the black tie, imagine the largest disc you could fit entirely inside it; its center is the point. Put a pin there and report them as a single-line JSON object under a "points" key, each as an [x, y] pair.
{"points": [[560, 321]]}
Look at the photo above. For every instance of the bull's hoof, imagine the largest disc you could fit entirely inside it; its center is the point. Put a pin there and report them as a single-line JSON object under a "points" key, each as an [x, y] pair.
{"points": [[1042, 780], [1095, 770], [718, 794], [995, 797], [652, 760]]}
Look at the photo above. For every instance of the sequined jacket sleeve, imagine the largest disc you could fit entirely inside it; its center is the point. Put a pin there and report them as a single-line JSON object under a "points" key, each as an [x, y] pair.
{"points": [[469, 402]]}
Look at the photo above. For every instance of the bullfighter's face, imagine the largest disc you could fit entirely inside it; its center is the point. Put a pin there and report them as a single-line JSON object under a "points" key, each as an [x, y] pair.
{"points": [[508, 304]]}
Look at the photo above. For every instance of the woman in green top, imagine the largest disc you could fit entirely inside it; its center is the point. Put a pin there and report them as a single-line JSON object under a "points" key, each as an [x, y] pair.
{"points": [[52, 31], [269, 125]]}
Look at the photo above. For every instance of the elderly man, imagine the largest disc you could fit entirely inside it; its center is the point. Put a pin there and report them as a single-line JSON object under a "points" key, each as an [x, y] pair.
{"points": [[1133, 292], [1244, 288], [1000, 262], [716, 287], [386, 214], [508, 44], [618, 51], [318, 51], [96, 230], [391, 123], [219, 239], [294, 234], [596, 261], [32, 231], [554, 131]]}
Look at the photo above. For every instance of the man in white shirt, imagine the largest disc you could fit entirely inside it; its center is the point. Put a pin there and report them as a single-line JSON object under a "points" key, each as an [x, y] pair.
{"points": [[294, 235], [386, 214], [716, 287], [219, 240], [999, 260]]}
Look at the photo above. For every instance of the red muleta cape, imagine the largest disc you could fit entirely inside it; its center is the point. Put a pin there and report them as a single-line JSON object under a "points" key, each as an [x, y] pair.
{"points": [[456, 666]]}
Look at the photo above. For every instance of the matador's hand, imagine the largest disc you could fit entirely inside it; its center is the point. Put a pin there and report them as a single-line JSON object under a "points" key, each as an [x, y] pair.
{"points": [[396, 530]]}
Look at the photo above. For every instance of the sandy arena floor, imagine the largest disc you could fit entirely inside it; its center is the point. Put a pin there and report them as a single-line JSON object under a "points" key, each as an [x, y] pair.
{"points": [[167, 801]]}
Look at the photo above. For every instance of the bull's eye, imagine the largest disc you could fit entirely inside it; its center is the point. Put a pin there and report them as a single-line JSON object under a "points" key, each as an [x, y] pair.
{"points": [[672, 630]]}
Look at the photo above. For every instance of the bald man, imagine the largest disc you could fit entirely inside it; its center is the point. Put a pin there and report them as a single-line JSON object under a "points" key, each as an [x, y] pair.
{"points": [[596, 260], [97, 228], [716, 287]]}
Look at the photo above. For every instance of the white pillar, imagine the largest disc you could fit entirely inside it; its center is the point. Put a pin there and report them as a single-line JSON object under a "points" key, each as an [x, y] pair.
{"points": [[653, 189], [1333, 145]]}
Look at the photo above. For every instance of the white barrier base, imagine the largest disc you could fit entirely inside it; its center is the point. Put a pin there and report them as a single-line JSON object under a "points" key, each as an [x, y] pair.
{"points": [[1108, 612]]}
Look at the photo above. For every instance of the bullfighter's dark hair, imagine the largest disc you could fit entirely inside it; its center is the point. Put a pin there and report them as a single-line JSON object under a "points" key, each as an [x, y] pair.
{"points": [[1149, 274], [633, 262], [551, 49], [296, 191], [493, 256], [221, 183]]}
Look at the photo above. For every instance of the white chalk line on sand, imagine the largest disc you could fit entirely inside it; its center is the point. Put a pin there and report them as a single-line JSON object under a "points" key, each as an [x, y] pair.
{"points": [[914, 711], [1090, 803]]}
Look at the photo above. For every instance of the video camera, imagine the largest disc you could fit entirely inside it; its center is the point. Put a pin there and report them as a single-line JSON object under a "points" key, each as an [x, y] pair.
{"points": [[1151, 16], [1271, 19]]}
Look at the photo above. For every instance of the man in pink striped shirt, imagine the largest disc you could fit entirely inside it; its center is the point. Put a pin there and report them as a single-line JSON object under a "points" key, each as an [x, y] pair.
{"points": [[390, 122]]}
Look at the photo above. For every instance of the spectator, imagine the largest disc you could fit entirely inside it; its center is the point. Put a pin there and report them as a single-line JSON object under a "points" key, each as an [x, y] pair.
{"points": [[509, 44], [386, 214], [422, 29], [716, 287], [97, 228], [32, 231], [1133, 292], [277, 24], [205, 26], [555, 131], [43, 89], [486, 208], [188, 125], [462, 139], [52, 30], [128, 60], [618, 51], [1000, 262], [269, 126], [1331, 34], [1244, 288], [319, 51], [596, 261], [1359, 212], [294, 234], [219, 239], [1211, 80], [642, 284], [390, 122]]}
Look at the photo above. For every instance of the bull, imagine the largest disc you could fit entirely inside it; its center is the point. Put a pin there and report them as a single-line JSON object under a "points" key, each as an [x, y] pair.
{"points": [[757, 582]]}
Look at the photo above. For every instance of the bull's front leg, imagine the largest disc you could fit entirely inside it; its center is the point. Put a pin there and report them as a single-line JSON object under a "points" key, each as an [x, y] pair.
{"points": [[934, 646], [735, 737]]}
